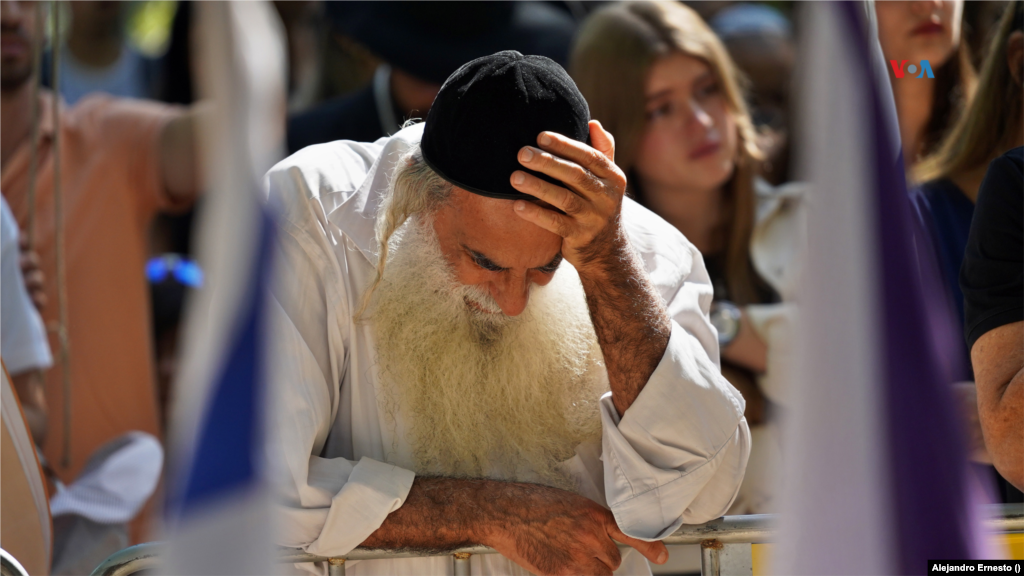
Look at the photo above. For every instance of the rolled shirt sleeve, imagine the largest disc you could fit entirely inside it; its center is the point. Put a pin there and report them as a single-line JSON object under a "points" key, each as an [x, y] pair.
{"points": [[328, 505], [679, 452]]}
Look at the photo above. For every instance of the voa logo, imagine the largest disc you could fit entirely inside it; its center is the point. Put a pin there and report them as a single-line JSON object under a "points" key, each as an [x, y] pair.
{"points": [[926, 69]]}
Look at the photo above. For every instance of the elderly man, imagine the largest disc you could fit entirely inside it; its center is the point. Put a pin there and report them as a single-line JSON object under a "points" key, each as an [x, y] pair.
{"points": [[483, 342]]}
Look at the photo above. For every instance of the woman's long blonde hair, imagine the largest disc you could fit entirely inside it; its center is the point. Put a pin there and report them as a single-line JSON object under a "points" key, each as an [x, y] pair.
{"points": [[992, 122], [613, 53]]}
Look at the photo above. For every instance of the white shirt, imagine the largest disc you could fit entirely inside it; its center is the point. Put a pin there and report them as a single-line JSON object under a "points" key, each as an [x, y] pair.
{"points": [[676, 456], [775, 247], [23, 343]]}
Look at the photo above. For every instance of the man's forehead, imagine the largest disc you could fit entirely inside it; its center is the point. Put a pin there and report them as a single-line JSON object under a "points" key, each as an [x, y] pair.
{"points": [[490, 227], [479, 202]]}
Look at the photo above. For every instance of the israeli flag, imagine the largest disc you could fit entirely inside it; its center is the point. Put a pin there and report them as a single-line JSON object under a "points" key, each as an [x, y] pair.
{"points": [[219, 513], [876, 473]]}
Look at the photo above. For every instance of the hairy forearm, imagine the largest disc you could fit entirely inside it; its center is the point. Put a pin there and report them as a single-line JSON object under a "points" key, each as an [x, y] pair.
{"points": [[543, 529], [998, 361], [446, 513], [1003, 428], [629, 316], [438, 514]]}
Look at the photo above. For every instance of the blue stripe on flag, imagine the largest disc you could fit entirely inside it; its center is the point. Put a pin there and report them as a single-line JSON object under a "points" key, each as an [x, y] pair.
{"points": [[229, 442]]}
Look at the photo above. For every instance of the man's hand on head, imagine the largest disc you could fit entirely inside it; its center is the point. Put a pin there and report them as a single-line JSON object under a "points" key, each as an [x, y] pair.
{"points": [[593, 239], [629, 315]]}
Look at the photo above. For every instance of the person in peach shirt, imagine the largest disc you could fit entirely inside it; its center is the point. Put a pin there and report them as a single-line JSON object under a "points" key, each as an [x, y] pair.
{"points": [[121, 161]]}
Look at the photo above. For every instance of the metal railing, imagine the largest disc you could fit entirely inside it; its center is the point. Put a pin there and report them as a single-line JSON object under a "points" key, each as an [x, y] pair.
{"points": [[9, 566], [725, 547]]}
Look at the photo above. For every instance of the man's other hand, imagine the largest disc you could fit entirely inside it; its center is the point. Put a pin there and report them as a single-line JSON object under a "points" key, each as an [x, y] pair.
{"points": [[629, 315], [545, 530], [35, 282], [549, 531]]}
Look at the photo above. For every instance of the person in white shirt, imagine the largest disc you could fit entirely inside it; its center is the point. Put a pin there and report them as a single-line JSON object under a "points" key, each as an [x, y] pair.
{"points": [[481, 341], [23, 344]]}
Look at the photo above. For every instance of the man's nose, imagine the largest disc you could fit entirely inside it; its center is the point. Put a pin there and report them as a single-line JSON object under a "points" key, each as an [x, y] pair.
{"points": [[512, 294], [925, 7]]}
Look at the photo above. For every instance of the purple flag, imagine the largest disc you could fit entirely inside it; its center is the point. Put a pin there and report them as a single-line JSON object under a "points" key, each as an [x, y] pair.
{"points": [[877, 479]]}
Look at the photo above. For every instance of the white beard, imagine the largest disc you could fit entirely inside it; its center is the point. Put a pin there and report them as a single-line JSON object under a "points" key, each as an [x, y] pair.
{"points": [[484, 394]]}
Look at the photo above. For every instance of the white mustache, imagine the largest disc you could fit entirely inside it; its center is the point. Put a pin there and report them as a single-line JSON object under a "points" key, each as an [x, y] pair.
{"points": [[482, 299]]}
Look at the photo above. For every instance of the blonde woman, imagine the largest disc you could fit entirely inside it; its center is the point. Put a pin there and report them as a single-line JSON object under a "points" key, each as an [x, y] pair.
{"points": [[659, 79], [913, 31], [992, 124]]}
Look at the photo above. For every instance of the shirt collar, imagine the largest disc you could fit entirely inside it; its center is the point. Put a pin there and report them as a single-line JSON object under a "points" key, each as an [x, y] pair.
{"points": [[357, 215]]}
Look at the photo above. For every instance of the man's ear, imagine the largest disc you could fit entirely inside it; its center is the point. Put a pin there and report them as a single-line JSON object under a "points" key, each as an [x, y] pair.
{"points": [[1015, 56]]}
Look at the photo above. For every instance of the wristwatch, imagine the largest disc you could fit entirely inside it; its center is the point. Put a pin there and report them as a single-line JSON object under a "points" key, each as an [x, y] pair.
{"points": [[725, 317]]}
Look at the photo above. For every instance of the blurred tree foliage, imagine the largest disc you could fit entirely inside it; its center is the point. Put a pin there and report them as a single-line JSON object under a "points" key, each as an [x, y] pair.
{"points": [[149, 25]]}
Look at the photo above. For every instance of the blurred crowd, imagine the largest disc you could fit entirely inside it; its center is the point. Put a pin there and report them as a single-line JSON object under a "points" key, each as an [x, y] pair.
{"points": [[699, 97]]}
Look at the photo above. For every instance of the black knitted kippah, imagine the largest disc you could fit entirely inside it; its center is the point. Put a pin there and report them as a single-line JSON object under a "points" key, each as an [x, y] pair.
{"points": [[489, 109]]}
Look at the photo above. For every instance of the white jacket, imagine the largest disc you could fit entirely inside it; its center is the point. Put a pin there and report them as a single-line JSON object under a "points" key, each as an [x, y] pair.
{"points": [[775, 248]]}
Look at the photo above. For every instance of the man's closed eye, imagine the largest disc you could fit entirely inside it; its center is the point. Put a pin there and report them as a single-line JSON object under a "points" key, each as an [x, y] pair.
{"points": [[483, 262]]}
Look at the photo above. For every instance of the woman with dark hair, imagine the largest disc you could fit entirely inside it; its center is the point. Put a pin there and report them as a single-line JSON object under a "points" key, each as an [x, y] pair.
{"points": [[659, 79], [926, 108]]}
